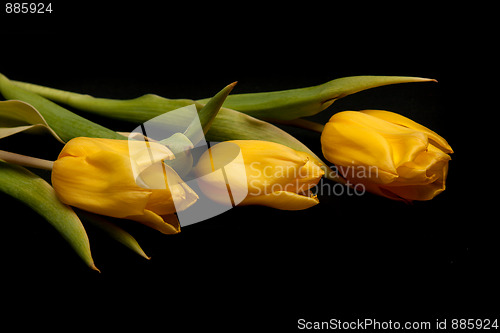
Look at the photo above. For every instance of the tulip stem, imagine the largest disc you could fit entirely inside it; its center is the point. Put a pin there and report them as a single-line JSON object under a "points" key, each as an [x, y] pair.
{"points": [[26, 161], [301, 123]]}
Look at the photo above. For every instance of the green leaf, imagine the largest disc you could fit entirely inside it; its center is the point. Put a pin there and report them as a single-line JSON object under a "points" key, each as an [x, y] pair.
{"points": [[35, 192], [65, 123], [303, 102], [208, 113], [136, 110], [114, 231], [234, 125], [227, 125], [18, 116]]}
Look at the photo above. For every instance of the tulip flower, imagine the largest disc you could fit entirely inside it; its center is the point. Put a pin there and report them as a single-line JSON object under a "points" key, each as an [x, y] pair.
{"points": [[98, 175], [276, 175], [391, 155]]}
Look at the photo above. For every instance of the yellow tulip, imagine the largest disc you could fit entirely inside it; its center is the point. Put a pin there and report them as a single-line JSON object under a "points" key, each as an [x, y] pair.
{"points": [[102, 176], [391, 155], [276, 175]]}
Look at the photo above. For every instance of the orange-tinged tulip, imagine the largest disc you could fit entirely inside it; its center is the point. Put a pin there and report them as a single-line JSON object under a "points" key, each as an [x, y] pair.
{"points": [[97, 175], [391, 155]]}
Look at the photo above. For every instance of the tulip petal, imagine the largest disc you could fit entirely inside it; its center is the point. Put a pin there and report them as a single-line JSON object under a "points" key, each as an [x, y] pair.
{"points": [[167, 224], [382, 139], [360, 139], [282, 200], [83, 146], [168, 191], [145, 153], [272, 174], [96, 175], [418, 192], [421, 179], [406, 122], [104, 186], [348, 141]]}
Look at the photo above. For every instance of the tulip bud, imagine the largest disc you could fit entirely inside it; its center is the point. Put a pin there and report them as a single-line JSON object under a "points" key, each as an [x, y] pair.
{"points": [[97, 175], [391, 155], [276, 176]]}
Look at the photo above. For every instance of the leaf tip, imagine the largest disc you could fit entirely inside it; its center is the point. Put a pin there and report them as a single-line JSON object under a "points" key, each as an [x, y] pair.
{"points": [[227, 89], [92, 266], [424, 79]]}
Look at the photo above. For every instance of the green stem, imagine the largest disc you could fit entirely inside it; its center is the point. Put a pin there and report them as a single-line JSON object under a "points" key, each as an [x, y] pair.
{"points": [[26, 161], [302, 123]]}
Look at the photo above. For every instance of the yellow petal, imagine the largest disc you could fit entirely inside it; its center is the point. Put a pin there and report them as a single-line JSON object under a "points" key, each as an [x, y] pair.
{"points": [[426, 168], [307, 176], [265, 168], [169, 193], [167, 224], [83, 146], [403, 121], [282, 200], [267, 152], [418, 192], [102, 184], [97, 175], [145, 153], [349, 140], [357, 139]]}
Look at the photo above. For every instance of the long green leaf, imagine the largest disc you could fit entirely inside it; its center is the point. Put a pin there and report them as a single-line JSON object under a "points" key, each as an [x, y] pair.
{"points": [[303, 102], [136, 110], [227, 125], [114, 231], [35, 192], [65, 123]]}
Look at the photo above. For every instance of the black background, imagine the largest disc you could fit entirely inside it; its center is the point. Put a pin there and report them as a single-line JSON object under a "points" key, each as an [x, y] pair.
{"points": [[253, 267]]}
